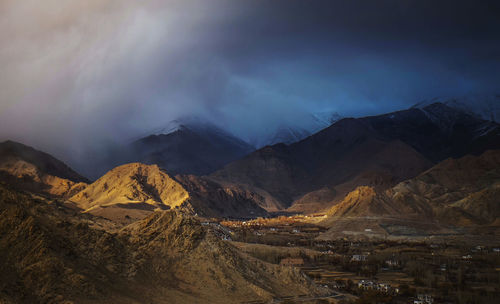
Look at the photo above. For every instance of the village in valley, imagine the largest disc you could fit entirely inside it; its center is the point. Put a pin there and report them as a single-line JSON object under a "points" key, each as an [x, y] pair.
{"points": [[412, 270]]}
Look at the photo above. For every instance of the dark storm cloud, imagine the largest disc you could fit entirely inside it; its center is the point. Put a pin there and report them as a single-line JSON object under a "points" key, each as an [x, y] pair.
{"points": [[77, 74]]}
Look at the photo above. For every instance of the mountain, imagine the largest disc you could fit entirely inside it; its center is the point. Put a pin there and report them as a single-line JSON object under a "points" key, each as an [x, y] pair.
{"points": [[128, 192], [50, 254], [458, 190], [377, 151], [188, 146], [30, 169], [438, 131], [133, 191], [211, 198], [132, 186], [483, 106], [300, 128], [327, 162], [454, 193]]}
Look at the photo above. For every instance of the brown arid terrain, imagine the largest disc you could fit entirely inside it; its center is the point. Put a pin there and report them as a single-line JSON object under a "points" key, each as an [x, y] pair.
{"points": [[128, 192], [210, 198], [30, 169], [132, 191], [455, 193], [132, 183], [52, 254]]}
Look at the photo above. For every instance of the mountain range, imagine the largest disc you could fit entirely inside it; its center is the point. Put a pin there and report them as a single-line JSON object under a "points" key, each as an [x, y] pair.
{"points": [[149, 232], [308, 176], [194, 145], [126, 193], [379, 151], [483, 106], [133, 191]]}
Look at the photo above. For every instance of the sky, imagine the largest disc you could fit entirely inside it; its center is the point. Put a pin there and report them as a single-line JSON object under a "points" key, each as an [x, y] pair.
{"points": [[76, 76]]}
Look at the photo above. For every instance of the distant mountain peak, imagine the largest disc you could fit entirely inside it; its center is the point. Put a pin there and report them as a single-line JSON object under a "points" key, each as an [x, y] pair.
{"points": [[189, 145], [483, 106], [45, 162], [182, 123], [327, 117], [292, 132]]}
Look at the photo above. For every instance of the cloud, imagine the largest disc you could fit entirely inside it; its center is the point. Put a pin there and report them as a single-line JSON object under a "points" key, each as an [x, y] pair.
{"points": [[73, 70], [79, 74]]}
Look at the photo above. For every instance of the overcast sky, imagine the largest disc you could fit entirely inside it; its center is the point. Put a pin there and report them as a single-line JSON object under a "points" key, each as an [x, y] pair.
{"points": [[75, 75]]}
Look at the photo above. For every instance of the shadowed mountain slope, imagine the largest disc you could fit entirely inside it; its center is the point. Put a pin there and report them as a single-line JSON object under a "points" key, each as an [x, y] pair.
{"points": [[214, 199], [30, 169], [456, 193], [438, 131], [346, 151], [377, 151], [189, 147], [485, 106], [50, 254]]}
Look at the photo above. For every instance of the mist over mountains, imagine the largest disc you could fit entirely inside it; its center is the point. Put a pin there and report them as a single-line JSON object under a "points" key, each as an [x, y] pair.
{"points": [[221, 151], [196, 145], [79, 78]]}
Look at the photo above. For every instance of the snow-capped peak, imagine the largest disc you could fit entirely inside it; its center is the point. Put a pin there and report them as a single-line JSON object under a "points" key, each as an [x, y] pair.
{"points": [[290, 132], [486, 107]]}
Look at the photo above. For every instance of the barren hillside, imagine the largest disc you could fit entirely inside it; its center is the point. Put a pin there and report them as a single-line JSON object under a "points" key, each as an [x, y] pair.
{"points": [[50, 254]]}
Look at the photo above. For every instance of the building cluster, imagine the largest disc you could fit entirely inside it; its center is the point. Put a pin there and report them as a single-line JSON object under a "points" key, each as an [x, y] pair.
{"points": [[423, 299], [359, 257], [392, 263], [382, 287]]}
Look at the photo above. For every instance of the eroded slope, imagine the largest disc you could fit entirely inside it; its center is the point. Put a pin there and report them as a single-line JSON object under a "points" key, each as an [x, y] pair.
{"points": [[51, 254]]}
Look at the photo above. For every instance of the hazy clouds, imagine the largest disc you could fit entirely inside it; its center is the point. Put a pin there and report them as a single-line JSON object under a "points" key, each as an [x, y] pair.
{"points": [[78, 74]]}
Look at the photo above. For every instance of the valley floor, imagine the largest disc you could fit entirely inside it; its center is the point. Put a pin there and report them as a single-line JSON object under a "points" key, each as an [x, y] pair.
{"points": [[447, 268]]}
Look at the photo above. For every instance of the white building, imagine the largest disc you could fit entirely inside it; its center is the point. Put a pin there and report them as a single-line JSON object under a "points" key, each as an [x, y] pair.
{"points": [[358, 257]]}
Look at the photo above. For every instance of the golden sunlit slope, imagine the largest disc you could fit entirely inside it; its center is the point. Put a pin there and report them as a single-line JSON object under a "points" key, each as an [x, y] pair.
{"points": [[483, 204], [51, 254], [456, 192], [133, 183], [459, 191], [36, 171], [365, 201], [132, 191]]}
